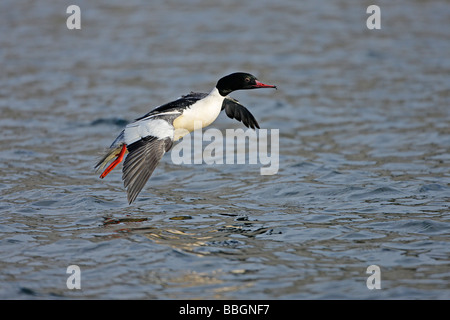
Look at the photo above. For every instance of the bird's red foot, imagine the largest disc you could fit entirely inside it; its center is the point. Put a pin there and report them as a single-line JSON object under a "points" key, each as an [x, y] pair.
{"points": [[115, 162]]}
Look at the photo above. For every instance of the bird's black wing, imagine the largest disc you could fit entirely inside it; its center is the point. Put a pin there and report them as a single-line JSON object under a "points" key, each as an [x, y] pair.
{"points": [[237, 111], [144, 155], [176, 105]]}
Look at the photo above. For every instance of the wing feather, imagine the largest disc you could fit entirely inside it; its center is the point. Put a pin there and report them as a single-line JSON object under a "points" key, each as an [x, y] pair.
{"points": [[235, 110], [144, 155]]}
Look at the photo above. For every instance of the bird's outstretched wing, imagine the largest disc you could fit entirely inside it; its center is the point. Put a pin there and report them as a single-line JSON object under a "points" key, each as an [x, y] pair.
{"points": [[237, 111], [144, 155]]}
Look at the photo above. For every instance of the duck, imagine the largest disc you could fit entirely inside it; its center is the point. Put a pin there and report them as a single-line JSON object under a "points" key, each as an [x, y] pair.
{"points": [[143, 142]]}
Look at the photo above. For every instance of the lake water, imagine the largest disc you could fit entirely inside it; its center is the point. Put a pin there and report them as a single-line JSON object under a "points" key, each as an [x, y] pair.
{"points": [[364, 151]]}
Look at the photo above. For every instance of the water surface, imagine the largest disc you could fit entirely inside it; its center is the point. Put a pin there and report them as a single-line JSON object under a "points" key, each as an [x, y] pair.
{"points": [[364, 151]]}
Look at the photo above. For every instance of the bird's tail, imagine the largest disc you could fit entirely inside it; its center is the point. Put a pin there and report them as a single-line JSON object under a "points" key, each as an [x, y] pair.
{"points": [[117, 152]]}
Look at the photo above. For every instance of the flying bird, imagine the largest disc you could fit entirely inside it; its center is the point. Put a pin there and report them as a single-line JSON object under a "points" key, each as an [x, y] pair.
{"points": [[144, 142]]}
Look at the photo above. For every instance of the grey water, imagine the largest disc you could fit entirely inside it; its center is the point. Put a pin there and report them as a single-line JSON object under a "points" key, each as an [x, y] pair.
{"points": [[364, 151]]}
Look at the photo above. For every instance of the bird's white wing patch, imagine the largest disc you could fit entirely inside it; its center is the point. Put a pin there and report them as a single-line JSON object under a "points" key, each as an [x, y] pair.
{"points": [[158, 128]]}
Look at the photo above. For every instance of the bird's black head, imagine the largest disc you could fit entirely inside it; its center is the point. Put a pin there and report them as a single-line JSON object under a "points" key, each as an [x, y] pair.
{"points": [[239, 81]]}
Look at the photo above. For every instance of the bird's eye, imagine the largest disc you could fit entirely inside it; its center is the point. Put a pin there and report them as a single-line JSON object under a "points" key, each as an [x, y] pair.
{"points": [[247, 79]]}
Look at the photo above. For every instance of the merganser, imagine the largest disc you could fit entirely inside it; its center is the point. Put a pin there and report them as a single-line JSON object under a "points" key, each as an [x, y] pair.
{"points": [[149, 137]]}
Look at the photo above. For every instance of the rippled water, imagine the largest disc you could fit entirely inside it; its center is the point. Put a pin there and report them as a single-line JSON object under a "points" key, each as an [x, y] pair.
{"points": [[364, 151]]}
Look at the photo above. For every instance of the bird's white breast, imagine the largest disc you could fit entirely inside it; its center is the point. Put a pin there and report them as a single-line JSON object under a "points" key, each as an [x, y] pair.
{"points": [[201, 114]]}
